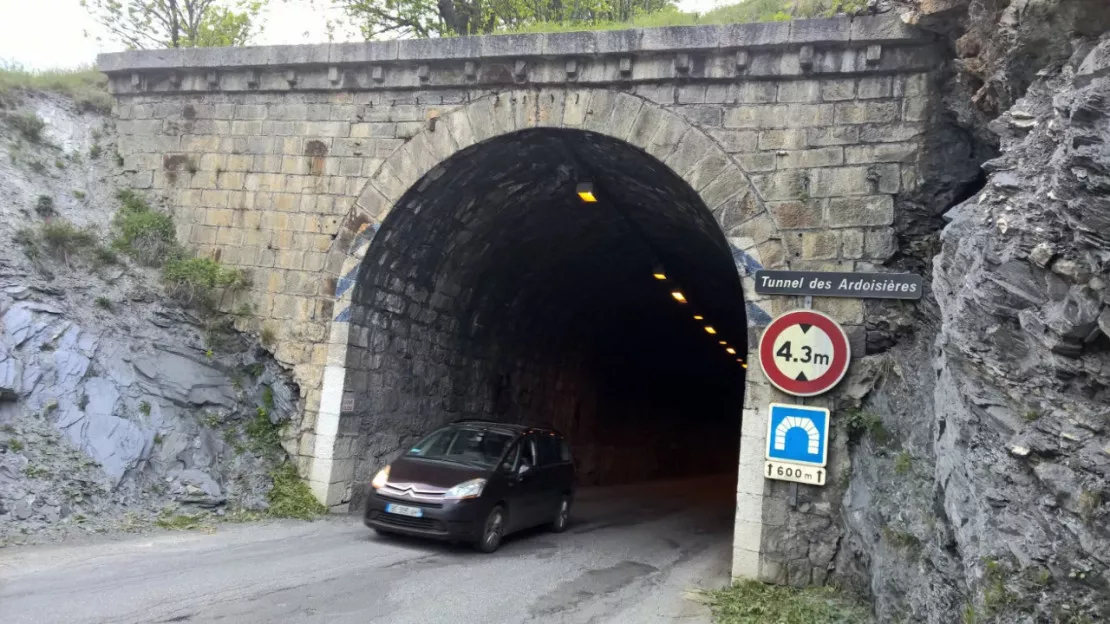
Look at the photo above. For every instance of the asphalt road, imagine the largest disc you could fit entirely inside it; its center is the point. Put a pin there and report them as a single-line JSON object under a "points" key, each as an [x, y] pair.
{"points": [[629, 557]]}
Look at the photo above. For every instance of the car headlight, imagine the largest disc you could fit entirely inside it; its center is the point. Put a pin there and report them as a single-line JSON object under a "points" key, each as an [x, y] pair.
{"points": [[381, 478], [467, 489]]}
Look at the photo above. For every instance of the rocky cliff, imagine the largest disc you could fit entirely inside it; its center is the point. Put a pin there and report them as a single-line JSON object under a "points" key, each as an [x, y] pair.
{"points": [[119, 407], [979, 488]]}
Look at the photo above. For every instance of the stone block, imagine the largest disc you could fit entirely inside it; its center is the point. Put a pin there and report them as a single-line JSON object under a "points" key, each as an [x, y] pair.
{"points": [[875, 87], [691, 148], [796, 215], [783, 139], [838, 89], [881, 153], [799, 91], [838, 181], [729, 183], [820, 157], [667, 138], [734, 141], [848, 113], [843, 310], [625, 111], [713, 163], [600, 111], [704, 116], [890, 133], [915, 109], [760, 92], [757, 162], [851, 244], [820, 245], [575, 108], [691, 94], [872, 210], [782, 185], [881, 245]]}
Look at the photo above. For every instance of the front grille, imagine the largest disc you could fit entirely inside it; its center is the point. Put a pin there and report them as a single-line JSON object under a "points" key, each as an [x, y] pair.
{"points": [[409, 501], [424, 524], [408, 495]]}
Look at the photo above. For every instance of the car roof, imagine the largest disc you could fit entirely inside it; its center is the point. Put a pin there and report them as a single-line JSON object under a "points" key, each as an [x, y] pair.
{"points": [[515, 428]]}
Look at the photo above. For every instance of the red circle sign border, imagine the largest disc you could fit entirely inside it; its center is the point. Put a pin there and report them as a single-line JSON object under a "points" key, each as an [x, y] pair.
{"points": [[841, 353]]}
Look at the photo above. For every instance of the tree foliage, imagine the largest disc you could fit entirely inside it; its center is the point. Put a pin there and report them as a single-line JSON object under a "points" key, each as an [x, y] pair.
{"points": [[439, 18], [146, 24]]}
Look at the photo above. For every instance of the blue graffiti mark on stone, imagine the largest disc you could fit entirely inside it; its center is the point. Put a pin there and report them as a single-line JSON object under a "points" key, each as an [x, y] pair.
{"points": [[744, 261], [344, 315], [345, 283], [757, 316]]}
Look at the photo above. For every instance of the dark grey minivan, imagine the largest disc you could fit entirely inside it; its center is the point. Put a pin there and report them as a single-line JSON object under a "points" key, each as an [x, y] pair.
{"points": [[475, 481]]}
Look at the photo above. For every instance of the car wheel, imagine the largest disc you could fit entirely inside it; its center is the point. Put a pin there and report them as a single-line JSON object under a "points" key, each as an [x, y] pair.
{"points": [[493, 531], [562, 517]]}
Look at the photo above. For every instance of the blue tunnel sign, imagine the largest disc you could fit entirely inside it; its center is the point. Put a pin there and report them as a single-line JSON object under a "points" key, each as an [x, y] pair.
{"points": [[798, 435]]}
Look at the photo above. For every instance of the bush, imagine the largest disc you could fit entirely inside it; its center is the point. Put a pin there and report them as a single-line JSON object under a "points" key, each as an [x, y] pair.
{"points": [[44, 206], [27, 125], [752, 602], [144, 233], [199, 280], [290, 497]]}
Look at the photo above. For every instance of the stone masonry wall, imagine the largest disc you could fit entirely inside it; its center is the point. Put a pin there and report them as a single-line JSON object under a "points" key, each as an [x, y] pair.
{"points": [[261, 154]]}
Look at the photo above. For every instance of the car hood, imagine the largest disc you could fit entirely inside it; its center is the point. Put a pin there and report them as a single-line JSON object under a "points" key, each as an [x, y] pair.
{"points": [[431, 475]]}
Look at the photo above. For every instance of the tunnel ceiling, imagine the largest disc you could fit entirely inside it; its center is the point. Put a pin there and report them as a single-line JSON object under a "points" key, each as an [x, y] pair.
{"points": [[501, 220]]}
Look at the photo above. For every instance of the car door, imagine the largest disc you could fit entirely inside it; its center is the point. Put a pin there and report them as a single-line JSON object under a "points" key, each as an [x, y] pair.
{"points": [[524, 486], [547, 451]]}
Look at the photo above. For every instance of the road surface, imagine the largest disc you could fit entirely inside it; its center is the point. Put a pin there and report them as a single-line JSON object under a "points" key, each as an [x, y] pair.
{"points": [[629, 557]]}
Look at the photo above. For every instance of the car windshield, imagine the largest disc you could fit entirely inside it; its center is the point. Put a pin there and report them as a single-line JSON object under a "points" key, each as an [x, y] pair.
{"points": [[464, 445]]}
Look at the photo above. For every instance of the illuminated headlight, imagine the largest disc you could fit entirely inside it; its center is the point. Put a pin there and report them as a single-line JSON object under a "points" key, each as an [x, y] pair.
{"points": [[467, 489], [381, 478]]}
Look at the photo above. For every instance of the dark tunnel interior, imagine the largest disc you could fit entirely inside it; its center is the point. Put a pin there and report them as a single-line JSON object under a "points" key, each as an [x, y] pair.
{"points": [[492, 290]]}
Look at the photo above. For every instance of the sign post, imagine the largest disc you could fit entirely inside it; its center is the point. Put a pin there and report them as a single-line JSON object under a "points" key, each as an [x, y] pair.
{"points": [[804, 353]]}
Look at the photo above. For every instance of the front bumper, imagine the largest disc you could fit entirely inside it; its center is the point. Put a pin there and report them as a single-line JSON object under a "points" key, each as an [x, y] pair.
{"points": [[452, 520]]}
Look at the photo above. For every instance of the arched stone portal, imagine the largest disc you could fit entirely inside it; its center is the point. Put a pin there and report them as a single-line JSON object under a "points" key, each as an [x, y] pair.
{"points": [[478, 285]]}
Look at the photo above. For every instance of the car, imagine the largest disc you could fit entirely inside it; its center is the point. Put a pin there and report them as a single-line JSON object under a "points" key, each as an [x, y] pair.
{"points": [[475, 481]]}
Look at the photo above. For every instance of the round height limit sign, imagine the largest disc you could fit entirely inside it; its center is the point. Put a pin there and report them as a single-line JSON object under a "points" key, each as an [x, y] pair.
{"points": [[804, 353]]}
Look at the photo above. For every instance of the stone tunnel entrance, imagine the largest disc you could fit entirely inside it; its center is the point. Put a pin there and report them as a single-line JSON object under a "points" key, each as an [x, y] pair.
{"points": [[493, 291]]}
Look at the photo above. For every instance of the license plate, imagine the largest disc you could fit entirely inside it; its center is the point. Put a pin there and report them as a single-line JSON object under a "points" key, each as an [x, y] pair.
{"points": [[404, 510]]}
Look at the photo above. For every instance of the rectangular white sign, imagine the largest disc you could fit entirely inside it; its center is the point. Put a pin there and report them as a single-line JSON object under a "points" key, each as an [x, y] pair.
{"points": [[785, 471]]}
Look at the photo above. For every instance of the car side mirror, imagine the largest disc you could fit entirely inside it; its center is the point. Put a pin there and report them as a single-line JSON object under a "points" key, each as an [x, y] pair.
{"points": [[523, 468]]}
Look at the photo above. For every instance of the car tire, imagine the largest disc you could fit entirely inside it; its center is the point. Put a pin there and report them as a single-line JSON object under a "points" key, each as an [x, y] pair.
{"points": [[382, 532], [562, 516], [493, 530]]}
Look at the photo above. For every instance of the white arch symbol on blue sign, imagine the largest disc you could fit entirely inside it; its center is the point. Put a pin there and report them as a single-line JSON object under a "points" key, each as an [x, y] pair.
{"points": [[798, 434]]}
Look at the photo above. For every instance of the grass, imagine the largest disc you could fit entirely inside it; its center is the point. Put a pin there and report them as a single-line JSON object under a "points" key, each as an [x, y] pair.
{"points": [[290, 497], [44, 206], [27, 124], [1089, 502], [902, 463], [144, 409], [267, 337], [752, 602], [143, 233], [198, 281], [104, 303], [87, 87], [79, 195], [179, 522], [750, 11], [859, 423], [263, 434], [15, 445]]}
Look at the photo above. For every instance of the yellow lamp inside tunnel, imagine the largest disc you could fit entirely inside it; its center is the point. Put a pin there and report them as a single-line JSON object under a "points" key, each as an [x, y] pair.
{"points": [[658, 272], [731, 351], [710, 330], [678, 296], [698, 317], [586, 193]]}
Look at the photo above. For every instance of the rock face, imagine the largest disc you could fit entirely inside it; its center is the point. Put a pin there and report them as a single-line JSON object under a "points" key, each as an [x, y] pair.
{"points": [[116, 405], [981, 492]]}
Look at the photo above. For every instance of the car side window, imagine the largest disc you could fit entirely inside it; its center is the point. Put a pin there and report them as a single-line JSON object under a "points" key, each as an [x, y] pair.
{"points": [[548, 449], [528, 452], [511, 458], [564, 450]]}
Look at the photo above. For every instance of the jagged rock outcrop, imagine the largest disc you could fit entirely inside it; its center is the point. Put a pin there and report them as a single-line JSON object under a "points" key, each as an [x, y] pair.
{"points": [[980, 494], [117, 405]]}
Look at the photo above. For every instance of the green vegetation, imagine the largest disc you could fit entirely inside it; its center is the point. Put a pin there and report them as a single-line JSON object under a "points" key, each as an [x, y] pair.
{"points": [[995, 595], [752, 602], [180, 522], [28, 125], [268, 397], [197, 281], [95, 150], [59, 163], [58, 239], [267, 337], [36, 472], [263, 434], [902, 463], [15, 445], [88, 87], [44, 206], [290, 497], [148, 24], [144, 408], [1031, 415], [104, 303], [901, 539], [143, 233], [859, 423]]}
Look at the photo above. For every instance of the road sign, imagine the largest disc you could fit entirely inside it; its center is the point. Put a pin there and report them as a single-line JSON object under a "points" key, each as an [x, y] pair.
{"points": [[797, 443], [804, 353], [834, 284]]}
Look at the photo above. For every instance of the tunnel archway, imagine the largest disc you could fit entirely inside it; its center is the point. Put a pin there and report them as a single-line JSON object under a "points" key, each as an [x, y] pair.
{"points": [[493, 291], [706, 224]]}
